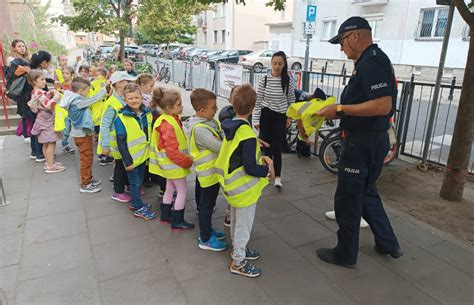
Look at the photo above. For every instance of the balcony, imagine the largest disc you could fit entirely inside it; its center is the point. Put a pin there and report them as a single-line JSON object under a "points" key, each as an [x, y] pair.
{"points": [[202, 23], [368, 2]]}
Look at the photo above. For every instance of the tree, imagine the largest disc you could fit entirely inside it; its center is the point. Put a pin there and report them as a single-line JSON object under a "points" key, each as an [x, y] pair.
{"points": [[278, 5], [461, 145], [104, 16], [167, 21]]}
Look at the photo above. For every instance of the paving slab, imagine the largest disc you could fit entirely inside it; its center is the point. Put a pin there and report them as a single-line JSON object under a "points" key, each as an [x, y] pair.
{"points": [[8, 281], [51, 205], [271, 207], [102, 206], [10, 249], [457, 256], [12, 222]]}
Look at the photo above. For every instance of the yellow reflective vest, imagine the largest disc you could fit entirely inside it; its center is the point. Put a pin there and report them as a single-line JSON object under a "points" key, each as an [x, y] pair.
{"points": [[59, 75], [113, 102], [204, 160], [159, 163], [137, 143], [60, 115], [305, 111], [240, 190], [96, 108]]}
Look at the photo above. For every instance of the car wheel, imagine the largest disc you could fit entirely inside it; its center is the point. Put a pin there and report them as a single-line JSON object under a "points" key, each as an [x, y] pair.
{"points": [[258, 67], [296, 66], [195, 59]]}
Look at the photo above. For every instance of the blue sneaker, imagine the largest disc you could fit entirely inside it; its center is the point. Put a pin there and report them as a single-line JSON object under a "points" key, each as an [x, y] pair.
{"points": [[133, 208], [145, 214], [220, 235], [212, 244]]}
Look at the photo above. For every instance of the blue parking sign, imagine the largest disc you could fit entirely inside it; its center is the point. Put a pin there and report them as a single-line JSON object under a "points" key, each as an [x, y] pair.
{"points": [[311, 13]]}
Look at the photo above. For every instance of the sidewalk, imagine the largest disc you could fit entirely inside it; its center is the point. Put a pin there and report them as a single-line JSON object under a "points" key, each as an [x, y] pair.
{"points": [[62, 247]]}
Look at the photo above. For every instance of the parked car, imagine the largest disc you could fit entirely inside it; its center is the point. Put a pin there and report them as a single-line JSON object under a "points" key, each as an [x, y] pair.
{"points": [[206, 54], [231, 57], [181, 54], [194, 54], [104, 51], [260, 60], [131, 52], [148, 48]]}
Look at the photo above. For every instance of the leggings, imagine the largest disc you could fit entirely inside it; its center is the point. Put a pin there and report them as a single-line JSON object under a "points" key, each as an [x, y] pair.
{"points": [[178, 185], [272, 131]]}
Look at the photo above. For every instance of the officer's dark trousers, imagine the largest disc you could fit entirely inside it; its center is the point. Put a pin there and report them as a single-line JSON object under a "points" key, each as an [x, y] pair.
{"points": [[356, 194]]}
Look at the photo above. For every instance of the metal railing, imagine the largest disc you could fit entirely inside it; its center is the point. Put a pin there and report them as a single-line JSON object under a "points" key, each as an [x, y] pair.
{"points": [[411, 116]]}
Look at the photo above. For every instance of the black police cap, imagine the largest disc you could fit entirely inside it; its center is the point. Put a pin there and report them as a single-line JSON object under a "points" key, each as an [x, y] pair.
{"points": [[353, 23]]}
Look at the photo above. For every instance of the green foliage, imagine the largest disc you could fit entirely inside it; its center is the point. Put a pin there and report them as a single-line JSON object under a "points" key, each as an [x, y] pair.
{"points": [[471, 4], [278, 5], [167, 21]]}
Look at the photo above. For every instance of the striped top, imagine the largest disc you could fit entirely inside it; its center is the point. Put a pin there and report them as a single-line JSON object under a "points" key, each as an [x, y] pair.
{"points": [[272, 96]]}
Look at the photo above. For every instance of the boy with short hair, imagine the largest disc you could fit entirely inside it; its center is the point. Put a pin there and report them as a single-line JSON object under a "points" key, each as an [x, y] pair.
{"points": [[205, 134], [243, 174], [107, 140], [77, 103], [133, 130]]}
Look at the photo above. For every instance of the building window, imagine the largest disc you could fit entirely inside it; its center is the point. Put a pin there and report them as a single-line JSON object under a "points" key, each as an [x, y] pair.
{"points": [[432, 23], [204, 37], [222, 7], [223, 36], [329, 29], [215, 36], [375, 23]]}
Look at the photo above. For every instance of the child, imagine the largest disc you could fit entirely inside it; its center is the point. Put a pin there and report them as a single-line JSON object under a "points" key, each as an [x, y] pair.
{"points": [[128, 66], [133, 129], [169, 157], [242, 176], [77, 104], [67, 76], [107, 140], [206, 135], [111, 70], [146, 83], [94, 72], [84, 71], [43, 104], [58, 73]]}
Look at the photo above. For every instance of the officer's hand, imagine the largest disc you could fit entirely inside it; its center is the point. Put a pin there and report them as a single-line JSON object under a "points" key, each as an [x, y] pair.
{"points": [[262, 143], [105, 151], [257, 127], [129, 168], [328, 112]]}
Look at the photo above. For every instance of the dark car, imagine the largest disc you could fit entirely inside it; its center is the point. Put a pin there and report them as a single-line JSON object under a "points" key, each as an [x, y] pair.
{"points": [[209, 53], [230, 57], [194, 54]]}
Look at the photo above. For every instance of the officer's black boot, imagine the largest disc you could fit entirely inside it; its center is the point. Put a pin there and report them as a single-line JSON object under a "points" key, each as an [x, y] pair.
{"points": [[178, 222], [165, 216]]}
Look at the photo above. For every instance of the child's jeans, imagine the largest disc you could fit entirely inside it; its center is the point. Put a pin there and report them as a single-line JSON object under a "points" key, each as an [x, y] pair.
{"points": [[86, 158], [206, 205], [66, 132], [120, 177], [135, 179], [240, 228]]}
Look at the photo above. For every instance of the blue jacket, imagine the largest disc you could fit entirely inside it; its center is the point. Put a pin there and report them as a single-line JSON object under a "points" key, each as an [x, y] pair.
{"points": [[78, 109], [121, 132]]}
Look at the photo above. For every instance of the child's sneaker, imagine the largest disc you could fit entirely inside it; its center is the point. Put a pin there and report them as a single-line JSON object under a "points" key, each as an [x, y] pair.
{"points": [[227, 221], [111, 179], [40, 159], [144, 213], [68, 149], [33, 157], [212, 244], [245, 268], [220, 235], [133, 208], [90, 188], [95, 182], [106, 160], [56, 168], [250, 255], [121, 197]]}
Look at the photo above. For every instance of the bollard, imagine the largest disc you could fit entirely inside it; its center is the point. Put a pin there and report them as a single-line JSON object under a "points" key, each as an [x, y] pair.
{"points": [[4, 201]]}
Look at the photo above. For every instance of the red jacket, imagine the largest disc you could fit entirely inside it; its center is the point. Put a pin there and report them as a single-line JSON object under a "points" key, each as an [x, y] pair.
{"points": [[169, 143]]}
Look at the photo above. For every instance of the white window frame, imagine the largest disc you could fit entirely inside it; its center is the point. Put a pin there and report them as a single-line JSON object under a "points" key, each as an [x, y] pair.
{"points": [[222, 13], [433, 26], [375, 21], [323, 32]]}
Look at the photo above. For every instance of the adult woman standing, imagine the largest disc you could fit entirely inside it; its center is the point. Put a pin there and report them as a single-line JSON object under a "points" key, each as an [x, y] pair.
{"points": [[18, 49], [275, 92]]}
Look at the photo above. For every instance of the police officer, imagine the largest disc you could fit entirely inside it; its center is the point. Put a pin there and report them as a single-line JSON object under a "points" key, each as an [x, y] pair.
{"points": [[367, 103]]}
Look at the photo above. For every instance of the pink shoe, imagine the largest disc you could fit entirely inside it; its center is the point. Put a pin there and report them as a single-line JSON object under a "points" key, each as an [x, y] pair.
{"points": [[56, 163], [121, 197], [54, 169]]}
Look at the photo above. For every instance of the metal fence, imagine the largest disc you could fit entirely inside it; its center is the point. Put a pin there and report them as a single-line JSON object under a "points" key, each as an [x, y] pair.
{"points": [[413, 104]]}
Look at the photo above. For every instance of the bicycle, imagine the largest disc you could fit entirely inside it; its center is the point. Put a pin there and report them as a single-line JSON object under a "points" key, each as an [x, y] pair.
{"points": [[164, 74], [331, 148]]}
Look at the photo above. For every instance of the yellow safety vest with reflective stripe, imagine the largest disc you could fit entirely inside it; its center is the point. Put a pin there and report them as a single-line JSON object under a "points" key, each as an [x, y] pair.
{"points": [[97, 107], [113, 102], [305, 111], [159, 163], [137, 143], [240, 189], [60, 115], [204, 160], [59, 75]]}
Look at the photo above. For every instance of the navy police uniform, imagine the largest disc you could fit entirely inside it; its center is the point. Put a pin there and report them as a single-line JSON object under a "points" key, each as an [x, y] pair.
{"points": [[364, 148]]}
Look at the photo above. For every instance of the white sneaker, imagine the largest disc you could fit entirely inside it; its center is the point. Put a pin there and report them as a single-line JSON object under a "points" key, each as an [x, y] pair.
{"points": [[278, 182], [27, 140], [332, 215]]}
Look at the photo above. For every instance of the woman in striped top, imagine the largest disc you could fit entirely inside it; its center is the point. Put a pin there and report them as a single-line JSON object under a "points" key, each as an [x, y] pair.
{"points": [[275, 92]]}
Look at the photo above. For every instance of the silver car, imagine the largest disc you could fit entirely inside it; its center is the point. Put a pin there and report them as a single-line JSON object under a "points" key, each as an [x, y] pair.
{"points": [[260, 60]]}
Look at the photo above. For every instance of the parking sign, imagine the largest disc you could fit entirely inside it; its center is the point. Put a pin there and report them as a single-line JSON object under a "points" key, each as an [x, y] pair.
{"points": [[310, 23]]}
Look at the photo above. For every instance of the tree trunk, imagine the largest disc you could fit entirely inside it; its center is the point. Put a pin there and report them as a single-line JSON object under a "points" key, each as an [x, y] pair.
{"points": [[460, 152], [122, 45]]}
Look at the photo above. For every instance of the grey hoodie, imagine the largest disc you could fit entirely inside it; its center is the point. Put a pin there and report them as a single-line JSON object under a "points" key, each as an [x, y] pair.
{"points": [[205, 139]]}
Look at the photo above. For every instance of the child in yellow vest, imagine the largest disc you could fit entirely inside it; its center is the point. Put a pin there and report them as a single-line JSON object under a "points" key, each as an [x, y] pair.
{"points": [[169, 156], [67, 76], [243, 174]]}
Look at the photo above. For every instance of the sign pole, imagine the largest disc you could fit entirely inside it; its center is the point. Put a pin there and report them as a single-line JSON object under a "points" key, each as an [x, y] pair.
{"points": [[310, 25]]}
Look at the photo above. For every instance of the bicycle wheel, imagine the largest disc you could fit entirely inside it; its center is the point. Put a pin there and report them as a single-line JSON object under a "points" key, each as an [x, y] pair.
{"points": [[330, 153], [292, 134], [167, 75], [331, 133]]}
